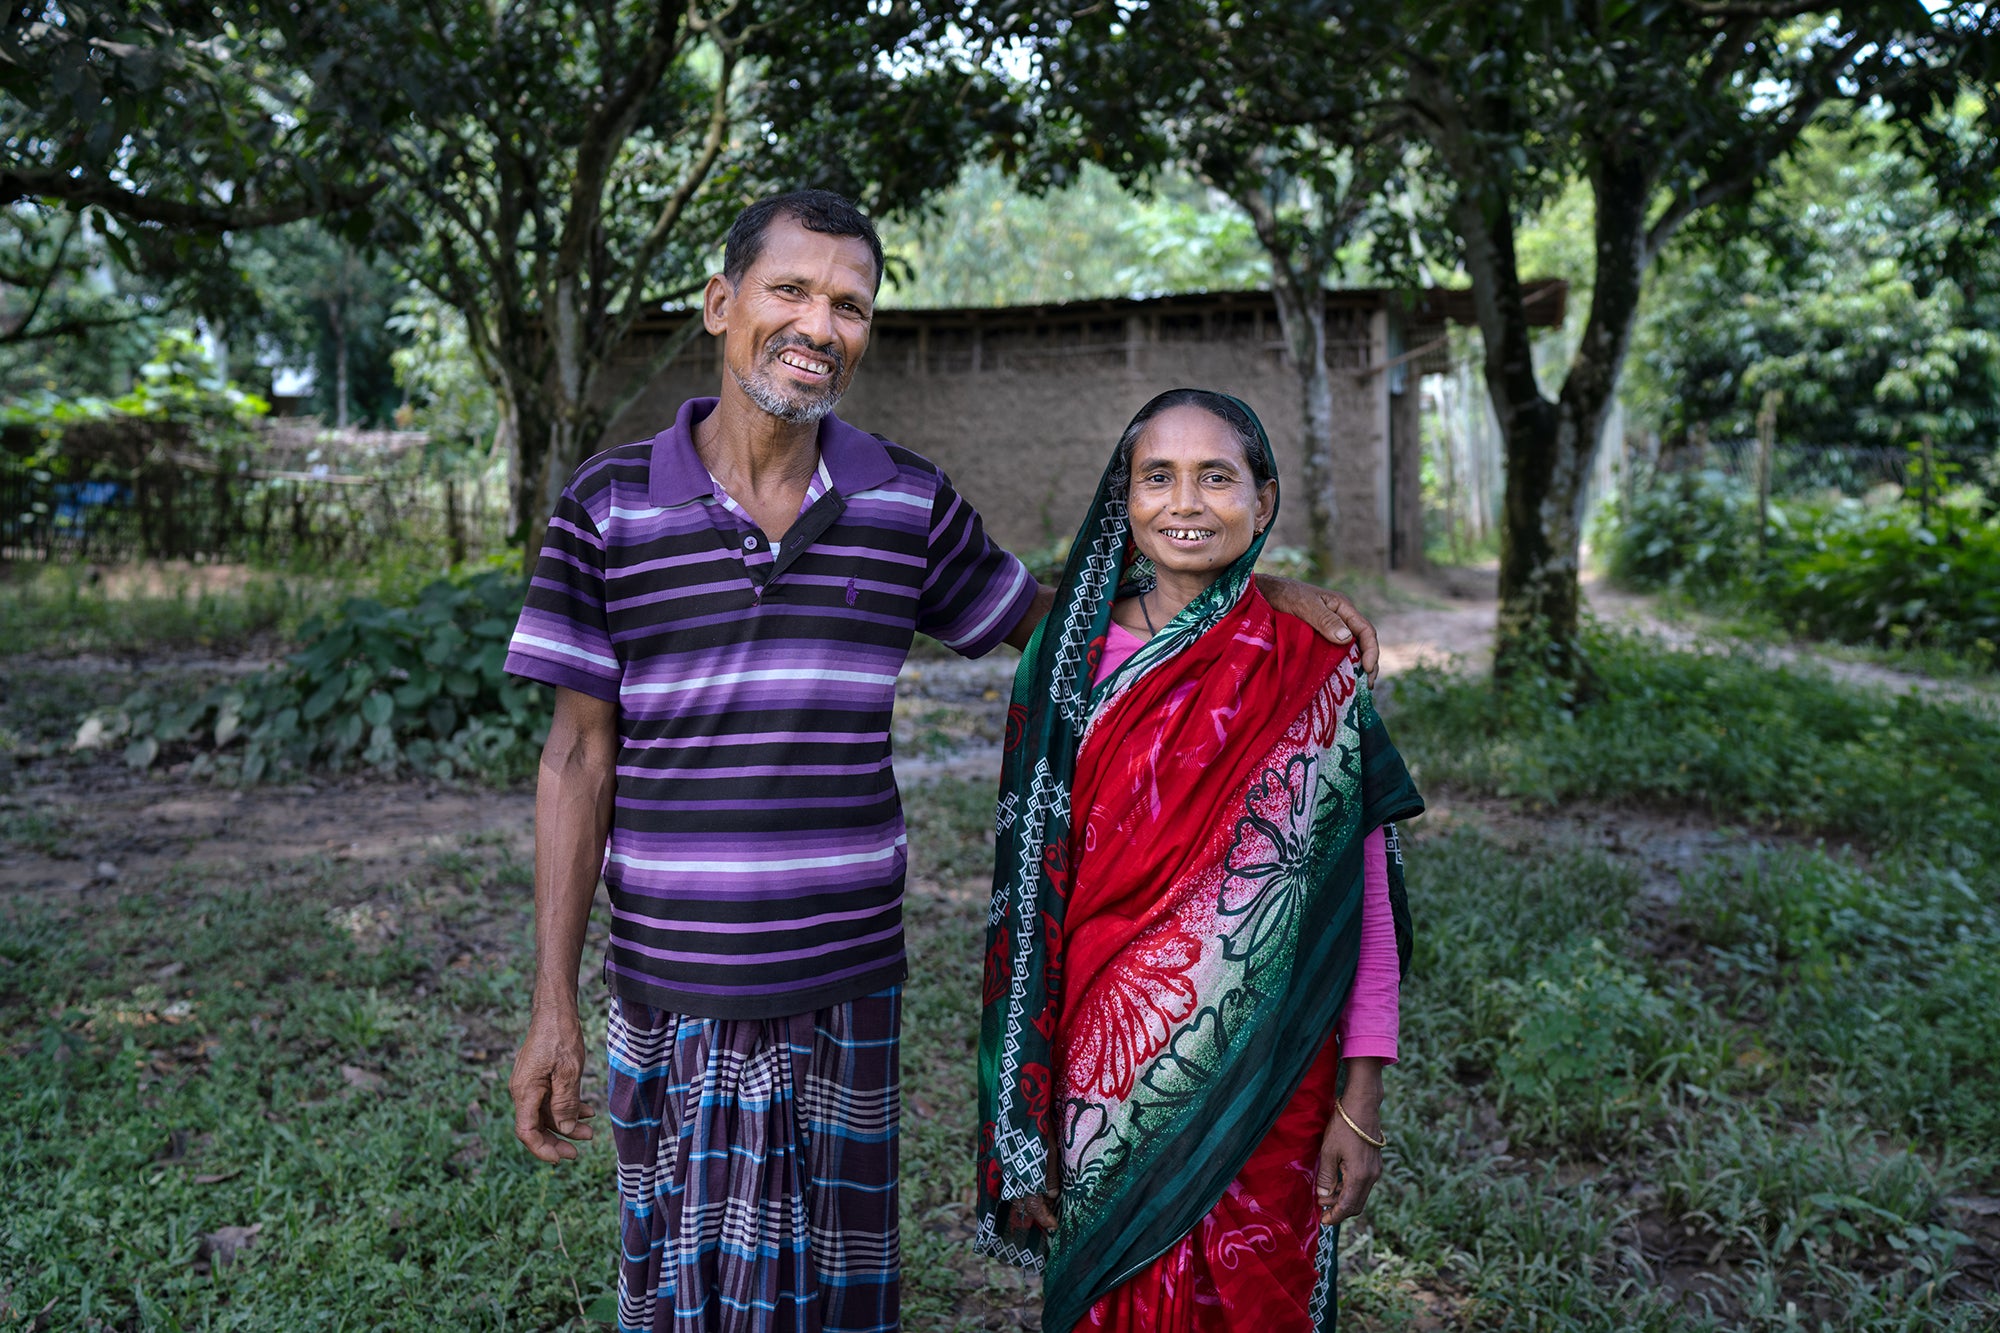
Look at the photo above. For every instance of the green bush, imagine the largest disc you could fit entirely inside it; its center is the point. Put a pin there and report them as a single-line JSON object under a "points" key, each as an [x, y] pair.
{"points": [[1588, 1028], [418, 688], [1896, 574], [1885, 576], [1693, 531]]}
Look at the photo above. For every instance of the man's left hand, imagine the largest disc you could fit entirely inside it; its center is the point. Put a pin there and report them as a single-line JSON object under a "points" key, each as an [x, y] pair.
{"points": [[1331, 614]]}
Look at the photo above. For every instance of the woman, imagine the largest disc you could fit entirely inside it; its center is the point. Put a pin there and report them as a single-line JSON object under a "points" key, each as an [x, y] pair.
{"points": [[1194, 795]]}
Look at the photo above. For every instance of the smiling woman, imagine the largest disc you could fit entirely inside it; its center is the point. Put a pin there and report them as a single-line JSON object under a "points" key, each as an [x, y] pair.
{"points": [[1192, 966]]}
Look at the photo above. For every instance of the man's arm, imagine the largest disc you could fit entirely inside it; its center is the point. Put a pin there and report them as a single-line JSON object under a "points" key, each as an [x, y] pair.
{"points": [[573, 794], [1038, 611], [1327, 612]]}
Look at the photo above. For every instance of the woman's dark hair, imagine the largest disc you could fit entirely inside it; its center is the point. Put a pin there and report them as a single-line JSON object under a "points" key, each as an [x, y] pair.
{"points": [[1220, 405], [822, 211]]}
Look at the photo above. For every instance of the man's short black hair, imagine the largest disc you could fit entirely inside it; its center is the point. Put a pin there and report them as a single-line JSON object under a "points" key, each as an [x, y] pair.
{"points": [[822, 211]]}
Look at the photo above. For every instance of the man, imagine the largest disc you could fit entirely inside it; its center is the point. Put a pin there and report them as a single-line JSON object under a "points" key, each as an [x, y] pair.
{"points": [[723, 610]]}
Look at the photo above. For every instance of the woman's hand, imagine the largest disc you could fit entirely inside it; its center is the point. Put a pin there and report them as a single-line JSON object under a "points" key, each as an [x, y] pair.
{"points": [[1349, 1165], [1034, 1210]]}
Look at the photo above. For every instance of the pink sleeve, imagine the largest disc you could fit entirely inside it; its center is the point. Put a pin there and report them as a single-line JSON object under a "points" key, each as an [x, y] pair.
{"points": [[1368, 1024]]}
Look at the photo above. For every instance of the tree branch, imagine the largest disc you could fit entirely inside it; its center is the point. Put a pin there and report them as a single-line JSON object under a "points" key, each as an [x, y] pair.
{"points": [[19, 183], [1753, 9], [627, 308], [19, 333]]}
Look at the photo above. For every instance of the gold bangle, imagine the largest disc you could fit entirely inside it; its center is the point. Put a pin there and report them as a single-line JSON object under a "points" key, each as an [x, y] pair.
{"points": [[1366, 1138]]}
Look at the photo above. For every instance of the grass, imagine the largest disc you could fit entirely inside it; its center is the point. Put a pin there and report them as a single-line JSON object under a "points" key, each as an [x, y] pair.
{"points": [[67, 610], [1761, 1097], [1727, 735]]}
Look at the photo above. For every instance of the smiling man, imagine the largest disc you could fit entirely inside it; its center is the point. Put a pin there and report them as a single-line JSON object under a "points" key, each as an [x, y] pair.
{"points": [[723, 610]]}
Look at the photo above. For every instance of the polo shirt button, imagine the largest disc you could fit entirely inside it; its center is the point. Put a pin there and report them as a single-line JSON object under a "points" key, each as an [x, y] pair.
{"points": [[750, 542]]}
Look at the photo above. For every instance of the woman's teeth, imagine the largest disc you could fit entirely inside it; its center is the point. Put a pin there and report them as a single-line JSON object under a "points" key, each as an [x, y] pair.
{"points": [[1189, 534]]}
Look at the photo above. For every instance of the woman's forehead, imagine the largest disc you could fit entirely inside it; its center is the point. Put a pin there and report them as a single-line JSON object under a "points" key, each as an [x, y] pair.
{"points": [[1189, 433]]}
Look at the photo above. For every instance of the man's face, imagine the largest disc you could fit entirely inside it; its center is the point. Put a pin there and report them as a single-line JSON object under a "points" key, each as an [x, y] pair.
{"points": [[794, 328]]}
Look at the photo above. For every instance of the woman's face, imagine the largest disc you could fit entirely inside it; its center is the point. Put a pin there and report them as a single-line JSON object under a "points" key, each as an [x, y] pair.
{"points": [[1194, 503]]}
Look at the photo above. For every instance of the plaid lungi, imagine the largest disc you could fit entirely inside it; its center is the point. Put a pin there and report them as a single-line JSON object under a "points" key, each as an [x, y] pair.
{"points": [[757, 1169]]}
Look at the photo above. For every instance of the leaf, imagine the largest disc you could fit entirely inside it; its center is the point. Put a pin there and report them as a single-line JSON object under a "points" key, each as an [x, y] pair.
{"points": [[324, 698], [377, 709], [142, 752]]}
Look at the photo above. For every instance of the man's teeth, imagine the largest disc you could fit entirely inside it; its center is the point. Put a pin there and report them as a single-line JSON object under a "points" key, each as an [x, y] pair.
{"points": [[1190, 534], [804, 363]]}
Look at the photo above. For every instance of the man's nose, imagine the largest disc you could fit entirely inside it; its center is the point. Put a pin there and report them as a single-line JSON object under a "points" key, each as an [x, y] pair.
{"points": [[816, 320]]}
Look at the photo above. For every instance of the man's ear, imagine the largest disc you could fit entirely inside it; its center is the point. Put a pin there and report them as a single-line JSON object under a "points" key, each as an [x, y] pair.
{"points": [[715, 299]]}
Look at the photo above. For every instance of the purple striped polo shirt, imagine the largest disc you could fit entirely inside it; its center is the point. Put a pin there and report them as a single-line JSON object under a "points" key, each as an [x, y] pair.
{"points": [[756, 853]]}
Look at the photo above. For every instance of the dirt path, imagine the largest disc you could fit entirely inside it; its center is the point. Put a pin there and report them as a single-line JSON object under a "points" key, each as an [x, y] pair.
{"points": [[1446, 617]]}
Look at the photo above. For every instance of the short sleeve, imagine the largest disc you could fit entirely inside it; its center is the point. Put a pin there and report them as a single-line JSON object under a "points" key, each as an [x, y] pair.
{"points": [[974, 592], [562, 637]]}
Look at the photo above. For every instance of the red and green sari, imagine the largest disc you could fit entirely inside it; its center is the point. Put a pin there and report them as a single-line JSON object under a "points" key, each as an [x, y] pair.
{"points": [[1174, 930]]}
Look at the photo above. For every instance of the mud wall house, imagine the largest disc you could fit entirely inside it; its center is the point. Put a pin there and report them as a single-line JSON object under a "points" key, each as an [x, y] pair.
{"points": [[1020, 405]]}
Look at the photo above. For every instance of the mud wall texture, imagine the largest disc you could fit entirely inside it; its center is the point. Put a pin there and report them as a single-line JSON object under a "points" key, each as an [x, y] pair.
{"points": [[1022, 406]]}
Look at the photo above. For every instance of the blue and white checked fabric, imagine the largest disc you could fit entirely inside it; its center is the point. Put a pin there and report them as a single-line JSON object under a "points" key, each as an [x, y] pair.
{"points": [[757, 1169]]}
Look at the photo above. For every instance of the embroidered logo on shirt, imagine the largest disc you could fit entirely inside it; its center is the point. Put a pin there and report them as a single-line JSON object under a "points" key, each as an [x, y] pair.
{"points": [[853, 591]]}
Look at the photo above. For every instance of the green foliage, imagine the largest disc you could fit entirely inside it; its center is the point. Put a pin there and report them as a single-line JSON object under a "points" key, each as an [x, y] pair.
{"points": [[1886, 576], [987, 241], [1898, 574], [1587, 1023], [1900, 963], [439, 375], [1684, 530], [1722, 733], [413, 688], [179, 383], [1839, 299]]}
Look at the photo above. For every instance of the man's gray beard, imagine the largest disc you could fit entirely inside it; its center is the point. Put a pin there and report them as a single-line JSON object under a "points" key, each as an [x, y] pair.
{"points": [[759, 390]]}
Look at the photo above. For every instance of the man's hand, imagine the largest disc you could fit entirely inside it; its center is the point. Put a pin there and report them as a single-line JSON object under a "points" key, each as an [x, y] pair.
{"points": [[1349, 1165], [547, 1086], [573, 798], [1327, 612]]}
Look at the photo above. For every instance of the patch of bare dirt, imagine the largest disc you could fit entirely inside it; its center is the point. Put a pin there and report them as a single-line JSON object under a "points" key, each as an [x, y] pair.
{"points": [[1445, 616], [114, 825]]}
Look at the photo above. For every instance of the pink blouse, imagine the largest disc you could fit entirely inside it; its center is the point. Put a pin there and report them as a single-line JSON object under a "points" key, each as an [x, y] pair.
{"points": [[1368, 1024]]}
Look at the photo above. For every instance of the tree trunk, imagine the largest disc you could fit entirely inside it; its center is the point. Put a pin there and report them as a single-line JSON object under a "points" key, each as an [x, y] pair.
{"points": [[336, 318], [1551, 446], [1302, 317]]}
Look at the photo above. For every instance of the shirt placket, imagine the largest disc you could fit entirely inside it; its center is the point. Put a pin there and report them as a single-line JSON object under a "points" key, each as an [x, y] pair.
{"points": [[757, 552]]}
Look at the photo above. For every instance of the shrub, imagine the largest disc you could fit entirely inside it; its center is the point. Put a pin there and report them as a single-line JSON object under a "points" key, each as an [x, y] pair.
{"points": [[1588, 1026], [1895, 574], [1681, 530], [418, 688], [1885, 575]]}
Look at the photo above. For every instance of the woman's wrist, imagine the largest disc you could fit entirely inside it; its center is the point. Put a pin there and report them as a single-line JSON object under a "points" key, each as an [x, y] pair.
{"points": [[1361, 1084]]}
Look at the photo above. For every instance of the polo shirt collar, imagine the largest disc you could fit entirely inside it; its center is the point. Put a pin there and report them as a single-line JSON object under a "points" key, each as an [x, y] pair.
{"points": [[855, 460]]}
